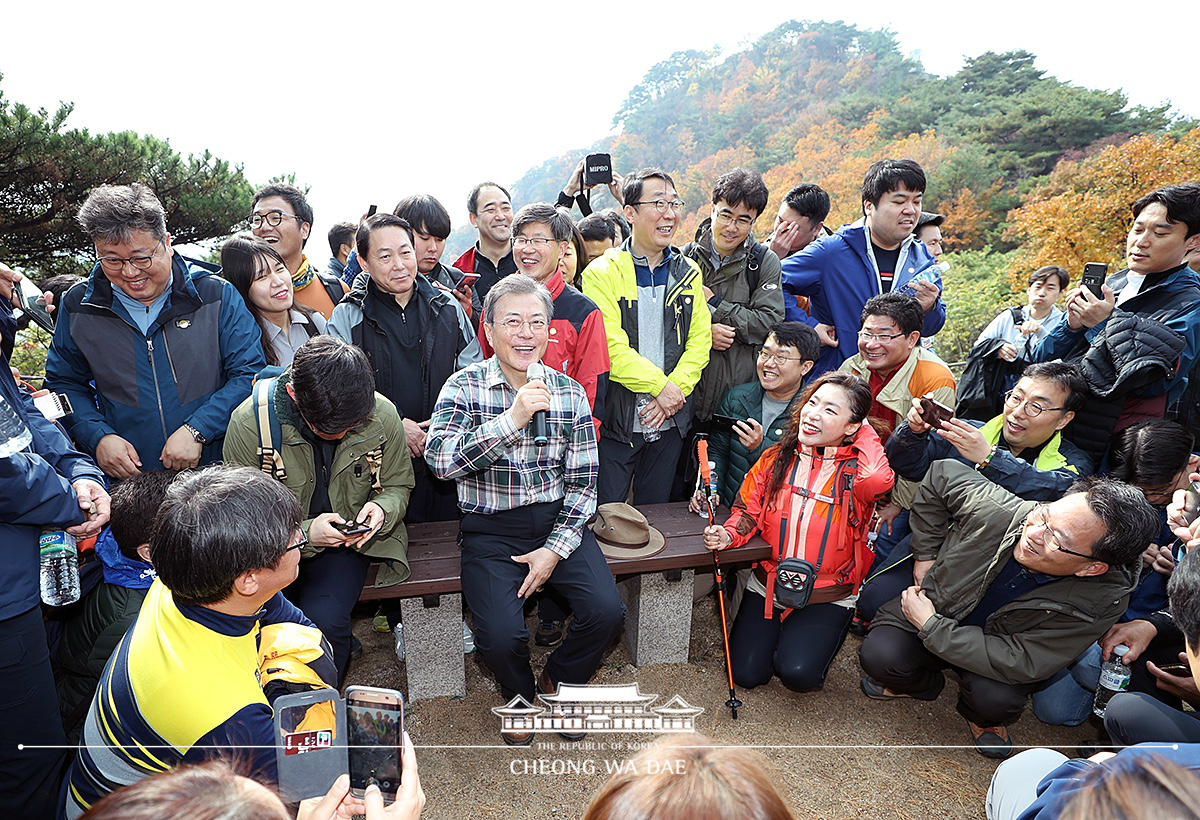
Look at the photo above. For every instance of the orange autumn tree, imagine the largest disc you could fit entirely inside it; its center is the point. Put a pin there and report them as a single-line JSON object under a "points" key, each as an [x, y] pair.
{"points": [[1081, 213], [837, 158]]}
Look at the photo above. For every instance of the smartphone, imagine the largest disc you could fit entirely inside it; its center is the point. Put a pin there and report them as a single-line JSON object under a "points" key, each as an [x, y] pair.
{"points": [[935, 413], [468, 281], [351, 527], [725, 423], [371, 211], [375, 720], [1191, 503], [33, 303], [1181, 670], [1094, 274]]}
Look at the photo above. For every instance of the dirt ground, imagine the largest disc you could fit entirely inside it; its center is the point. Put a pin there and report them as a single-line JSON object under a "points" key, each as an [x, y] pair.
{"points": [[836, 754]]}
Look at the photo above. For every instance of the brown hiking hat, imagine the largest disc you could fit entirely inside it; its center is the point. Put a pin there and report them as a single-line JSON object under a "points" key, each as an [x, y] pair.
{"points": [[624, 533]]}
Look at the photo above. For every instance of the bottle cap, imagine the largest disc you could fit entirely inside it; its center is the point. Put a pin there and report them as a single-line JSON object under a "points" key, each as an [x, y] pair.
{"points": [[1120, 649]]}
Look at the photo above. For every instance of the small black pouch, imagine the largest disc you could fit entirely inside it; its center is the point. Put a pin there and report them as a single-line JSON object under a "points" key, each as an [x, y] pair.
{"points": [[794, 579]]}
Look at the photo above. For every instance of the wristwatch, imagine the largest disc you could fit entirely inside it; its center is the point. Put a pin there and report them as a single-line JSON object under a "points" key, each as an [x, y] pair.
{"points": [[197, 436], [987, 460]]}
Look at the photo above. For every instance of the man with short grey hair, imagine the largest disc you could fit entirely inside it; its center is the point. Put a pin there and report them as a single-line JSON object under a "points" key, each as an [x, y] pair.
{"points": [[153, 349]]}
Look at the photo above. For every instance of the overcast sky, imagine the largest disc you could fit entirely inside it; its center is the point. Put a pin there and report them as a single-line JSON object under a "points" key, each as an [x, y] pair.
{"points": [[367, 102]]}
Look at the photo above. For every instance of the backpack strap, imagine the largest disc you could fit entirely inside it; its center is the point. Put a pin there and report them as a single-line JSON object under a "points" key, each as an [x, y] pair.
{"points": [[270, 432], [754, 265]]}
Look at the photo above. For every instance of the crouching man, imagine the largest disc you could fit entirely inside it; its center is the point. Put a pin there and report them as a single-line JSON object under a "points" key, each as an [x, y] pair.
{"points": [[1007, 596], [524, 506]]}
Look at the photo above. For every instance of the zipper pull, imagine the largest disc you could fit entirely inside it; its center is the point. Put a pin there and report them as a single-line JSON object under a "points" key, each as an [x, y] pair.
{"points": [[149, 350]]}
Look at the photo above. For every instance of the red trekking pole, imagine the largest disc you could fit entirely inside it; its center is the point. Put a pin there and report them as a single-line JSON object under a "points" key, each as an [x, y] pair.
{"points": [[705, 486]]}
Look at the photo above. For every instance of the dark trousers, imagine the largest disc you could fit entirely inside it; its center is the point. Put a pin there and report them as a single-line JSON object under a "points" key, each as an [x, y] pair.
{"points": [[29, 778], [651, 466], [1134, 717], [897, 659], [799, 649], [490, 580], [885, 582], [326, 590], [431, 499]]}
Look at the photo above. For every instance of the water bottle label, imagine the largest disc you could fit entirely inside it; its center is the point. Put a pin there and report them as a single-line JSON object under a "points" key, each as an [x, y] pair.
{"points": [[1118, 681], [56, 543]]}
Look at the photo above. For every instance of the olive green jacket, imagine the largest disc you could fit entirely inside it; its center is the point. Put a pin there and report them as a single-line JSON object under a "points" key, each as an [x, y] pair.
{"points": [[969, 527], [353, 479]]}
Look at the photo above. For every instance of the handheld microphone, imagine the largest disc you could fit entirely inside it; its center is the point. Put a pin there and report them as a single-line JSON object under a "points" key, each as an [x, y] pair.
{"points": [[541, 427]]}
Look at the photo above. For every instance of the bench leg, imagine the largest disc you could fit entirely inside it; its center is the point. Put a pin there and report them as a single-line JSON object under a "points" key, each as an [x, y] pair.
{"points": [[433, 647], [658, 617]]}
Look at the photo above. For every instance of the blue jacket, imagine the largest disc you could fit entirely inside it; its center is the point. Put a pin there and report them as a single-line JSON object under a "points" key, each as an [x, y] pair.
{"points": [[1056, 789], [196, 365], [838, 277], [35, 492]]}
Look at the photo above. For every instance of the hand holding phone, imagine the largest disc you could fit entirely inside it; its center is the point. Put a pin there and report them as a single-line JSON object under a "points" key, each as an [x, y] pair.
{"points": [[934, 413], [351, 527], [1094, 274], [375, 725]]}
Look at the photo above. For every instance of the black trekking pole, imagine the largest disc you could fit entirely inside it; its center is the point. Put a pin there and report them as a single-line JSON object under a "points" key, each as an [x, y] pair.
{"points": [[705, 485]]}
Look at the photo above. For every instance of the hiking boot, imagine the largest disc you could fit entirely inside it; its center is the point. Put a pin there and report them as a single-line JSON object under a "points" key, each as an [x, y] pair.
{"points": [[517, 738], [549, 633], [356, 648], [547, 687], [858, 626], [991, 741]]}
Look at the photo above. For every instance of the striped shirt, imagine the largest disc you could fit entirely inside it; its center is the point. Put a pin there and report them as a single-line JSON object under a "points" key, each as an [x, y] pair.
{"points": [[474, 440]]}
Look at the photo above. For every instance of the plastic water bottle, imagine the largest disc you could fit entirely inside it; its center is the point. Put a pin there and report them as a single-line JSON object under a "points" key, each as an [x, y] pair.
{"points": [[648, 432], [60, 568], [1114, 678], [14, 433], [714, 497]]}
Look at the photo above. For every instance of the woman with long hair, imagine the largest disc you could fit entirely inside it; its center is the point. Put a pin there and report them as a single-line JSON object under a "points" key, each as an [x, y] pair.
{"points": [[811, 496], [258, 272]]}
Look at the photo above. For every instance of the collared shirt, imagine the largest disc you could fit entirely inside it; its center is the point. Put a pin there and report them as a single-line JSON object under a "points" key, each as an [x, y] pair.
{"points": [[1012, 582], [143, 315], [286, 343], [473, 439]]}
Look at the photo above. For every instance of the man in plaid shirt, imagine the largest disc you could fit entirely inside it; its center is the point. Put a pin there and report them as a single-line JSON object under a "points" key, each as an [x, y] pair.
{"points": [[525, 507]]}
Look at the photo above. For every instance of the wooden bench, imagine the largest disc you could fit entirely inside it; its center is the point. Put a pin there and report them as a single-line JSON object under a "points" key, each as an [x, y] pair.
{"points": [[656, 591]]}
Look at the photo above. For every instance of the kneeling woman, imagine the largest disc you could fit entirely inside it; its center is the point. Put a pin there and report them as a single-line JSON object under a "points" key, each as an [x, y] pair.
{"points": [[812, 496]]}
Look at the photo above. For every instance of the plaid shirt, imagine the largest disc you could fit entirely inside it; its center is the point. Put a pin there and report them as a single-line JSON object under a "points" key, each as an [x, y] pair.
{"points": [[472, 438]]}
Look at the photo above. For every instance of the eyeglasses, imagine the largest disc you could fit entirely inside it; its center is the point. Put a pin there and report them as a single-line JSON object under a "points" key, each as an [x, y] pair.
{"points": [[1051, 538], [272, 218], [882, 338], [765, 355], [115, 264], [304, 542], [514, 325], [726, 217], [539, 242], [664, 205], [1032, 408]]}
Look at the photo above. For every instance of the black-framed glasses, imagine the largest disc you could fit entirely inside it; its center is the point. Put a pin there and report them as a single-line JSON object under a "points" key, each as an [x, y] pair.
{"points": [[272, 218], [115, 264], [882, 338], [301, 544], [726, 217], [664, 205], [768, 356], [1032, 408], [1051, 538]]}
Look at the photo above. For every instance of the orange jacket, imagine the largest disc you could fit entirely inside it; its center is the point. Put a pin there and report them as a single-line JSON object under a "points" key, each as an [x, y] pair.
{"points": [[811, 509]]}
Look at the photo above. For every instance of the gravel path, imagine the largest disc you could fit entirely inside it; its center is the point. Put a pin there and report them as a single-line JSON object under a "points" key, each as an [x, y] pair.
{"points": [[887, 779]]}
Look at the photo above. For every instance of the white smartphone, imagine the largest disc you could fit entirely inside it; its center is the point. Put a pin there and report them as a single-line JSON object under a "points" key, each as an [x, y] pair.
{"points": [[375, 727]]}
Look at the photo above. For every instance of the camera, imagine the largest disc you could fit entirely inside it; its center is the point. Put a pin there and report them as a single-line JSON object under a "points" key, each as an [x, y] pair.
{"points": [[597, 170]]}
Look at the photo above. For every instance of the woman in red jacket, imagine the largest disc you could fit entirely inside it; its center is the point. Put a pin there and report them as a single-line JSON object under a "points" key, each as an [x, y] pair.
{"points": [[812, 496]]}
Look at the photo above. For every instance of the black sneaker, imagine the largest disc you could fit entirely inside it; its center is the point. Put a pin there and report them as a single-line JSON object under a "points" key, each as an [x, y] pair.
{"points": [[858, 626], [549, 633], [356, 648]]}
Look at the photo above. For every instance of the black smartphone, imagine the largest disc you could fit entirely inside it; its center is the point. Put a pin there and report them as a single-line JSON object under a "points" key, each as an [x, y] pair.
{"points": [[351, 527], [375, 728], [1094, 274], [935, 413], [1181, 670], [371, 211], [597, 170], [725, 423]]}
